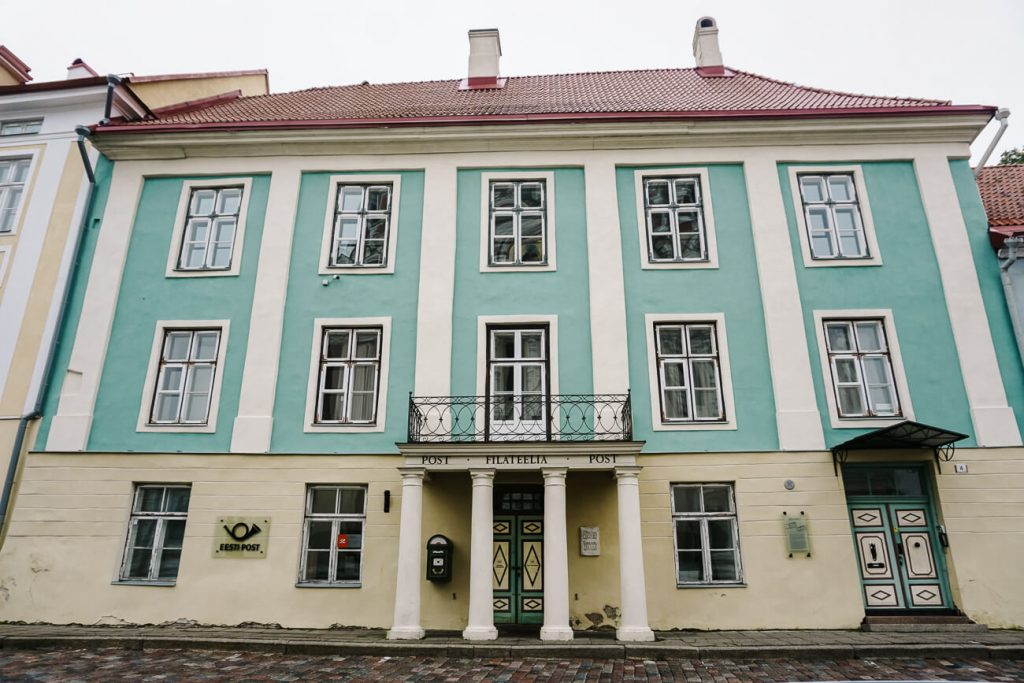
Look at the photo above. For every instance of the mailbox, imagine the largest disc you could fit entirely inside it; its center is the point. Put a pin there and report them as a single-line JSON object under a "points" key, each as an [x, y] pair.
{"points": [[439, 558]]}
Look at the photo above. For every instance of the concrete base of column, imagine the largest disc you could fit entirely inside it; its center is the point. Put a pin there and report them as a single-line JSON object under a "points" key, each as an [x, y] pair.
{"points": [[480, 633], [406, 633], [555, 633], [634, 634]]}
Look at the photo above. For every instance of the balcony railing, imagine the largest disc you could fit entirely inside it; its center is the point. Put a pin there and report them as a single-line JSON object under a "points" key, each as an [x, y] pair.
{"points": [[564, 417]]}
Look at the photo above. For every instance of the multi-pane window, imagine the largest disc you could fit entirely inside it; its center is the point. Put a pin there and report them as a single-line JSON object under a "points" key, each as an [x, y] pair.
{"points": [[13, 173], [210, 227], [518, 222], [21, 127], [832, 213], [156, 532], [675, 219], [858, 353], [349, 375], [689, 372], [362, 223], [517, 380], [706, 534], [332, 539], [184, 384]]}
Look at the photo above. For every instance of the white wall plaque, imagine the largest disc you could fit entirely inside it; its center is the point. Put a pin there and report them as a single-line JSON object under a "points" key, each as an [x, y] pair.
{"points": [[590, 541]]}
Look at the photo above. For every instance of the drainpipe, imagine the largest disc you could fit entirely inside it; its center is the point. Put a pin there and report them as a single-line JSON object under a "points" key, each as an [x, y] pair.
{"points": [[51, 352], [1013, 250], [1001, 116], [108, 108]]}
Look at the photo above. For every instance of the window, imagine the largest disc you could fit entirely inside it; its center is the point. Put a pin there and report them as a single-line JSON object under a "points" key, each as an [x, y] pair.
{"points": [[185, 380], [332, 539], [706, 534], [518, 222], [832, 215], [689, 375], [862, 373], [675, 219], [517, 375], [156, 533], [23, 127], [13, 174], [349, 378], [362, 223], [210, 226]]}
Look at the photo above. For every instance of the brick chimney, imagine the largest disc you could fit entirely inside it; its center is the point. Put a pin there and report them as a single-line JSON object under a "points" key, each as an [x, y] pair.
{"points": [[484, 56], [705, 48]]}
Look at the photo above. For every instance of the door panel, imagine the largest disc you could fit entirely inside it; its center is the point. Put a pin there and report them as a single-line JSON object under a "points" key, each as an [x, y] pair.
{"points": [[874, 555], [917, 550]]}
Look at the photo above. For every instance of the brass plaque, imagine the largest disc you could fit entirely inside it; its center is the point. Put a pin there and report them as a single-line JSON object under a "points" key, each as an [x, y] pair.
{"points": [[244, 538], [797, 540]]}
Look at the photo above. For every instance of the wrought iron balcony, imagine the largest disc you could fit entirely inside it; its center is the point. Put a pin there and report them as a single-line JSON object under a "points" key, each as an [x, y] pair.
{"points": [[564, 417]]}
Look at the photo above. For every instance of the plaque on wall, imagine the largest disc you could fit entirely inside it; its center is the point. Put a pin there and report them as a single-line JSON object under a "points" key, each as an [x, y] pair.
{"points": [[590, 541], [241, 537], [798, 541]]}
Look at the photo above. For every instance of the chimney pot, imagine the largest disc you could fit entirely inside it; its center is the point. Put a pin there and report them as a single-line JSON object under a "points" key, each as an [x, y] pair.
{"points": [[484, 57], [705, 43]]}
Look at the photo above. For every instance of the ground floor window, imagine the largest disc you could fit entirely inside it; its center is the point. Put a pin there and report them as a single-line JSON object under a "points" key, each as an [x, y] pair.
{"points": [[156, 533], [706, 534], [332, 539]]}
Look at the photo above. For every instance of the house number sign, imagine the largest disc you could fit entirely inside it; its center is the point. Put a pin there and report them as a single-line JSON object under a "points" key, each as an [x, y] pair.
{"points": [[590, 541], [241, 537]]}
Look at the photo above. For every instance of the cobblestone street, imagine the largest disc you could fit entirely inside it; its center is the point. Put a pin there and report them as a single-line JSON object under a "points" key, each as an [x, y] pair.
{"points": [[115, 664]]}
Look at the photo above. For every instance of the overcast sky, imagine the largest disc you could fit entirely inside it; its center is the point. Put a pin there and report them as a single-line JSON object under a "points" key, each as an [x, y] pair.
{"points": [[967, 51]]}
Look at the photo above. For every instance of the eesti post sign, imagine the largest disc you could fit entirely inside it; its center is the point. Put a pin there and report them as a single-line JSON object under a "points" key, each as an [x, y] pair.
{"points": [[241, 537]]}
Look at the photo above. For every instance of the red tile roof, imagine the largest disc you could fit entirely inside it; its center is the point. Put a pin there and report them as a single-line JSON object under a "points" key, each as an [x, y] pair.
{"points": [[662, 93], [1002, 193]]}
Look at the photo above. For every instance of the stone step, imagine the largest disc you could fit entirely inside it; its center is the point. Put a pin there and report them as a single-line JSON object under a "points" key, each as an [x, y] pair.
{"points": [[922, 624]]}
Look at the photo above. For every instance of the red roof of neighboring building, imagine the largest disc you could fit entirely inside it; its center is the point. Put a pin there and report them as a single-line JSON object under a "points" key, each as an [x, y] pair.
{"points": [[659, 94], [1002, 193]]}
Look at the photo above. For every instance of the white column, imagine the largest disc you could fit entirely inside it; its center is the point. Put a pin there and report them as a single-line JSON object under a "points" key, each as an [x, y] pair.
{"points": [[632, 586], [993, 420], [796, 409], [481, 597], [556, 558], [406, 624]]}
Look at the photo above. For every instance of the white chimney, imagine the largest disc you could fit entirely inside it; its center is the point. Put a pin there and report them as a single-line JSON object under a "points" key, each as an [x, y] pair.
{"points": [[79, 69], [484, 55], [705, 43]]}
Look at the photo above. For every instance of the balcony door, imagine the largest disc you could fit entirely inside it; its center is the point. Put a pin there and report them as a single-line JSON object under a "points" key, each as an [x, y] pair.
{"points": [[518, 378]]}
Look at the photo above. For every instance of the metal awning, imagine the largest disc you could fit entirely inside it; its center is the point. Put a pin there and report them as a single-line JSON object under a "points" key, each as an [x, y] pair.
{"points": [[906, 435]]}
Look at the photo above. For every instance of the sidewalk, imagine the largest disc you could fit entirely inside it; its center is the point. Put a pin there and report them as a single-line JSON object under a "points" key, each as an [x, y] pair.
{"points": [[588, 645]]}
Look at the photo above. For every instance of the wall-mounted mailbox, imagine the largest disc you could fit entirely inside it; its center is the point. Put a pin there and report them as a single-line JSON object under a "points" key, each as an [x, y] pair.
{"points": [[439, 558]]}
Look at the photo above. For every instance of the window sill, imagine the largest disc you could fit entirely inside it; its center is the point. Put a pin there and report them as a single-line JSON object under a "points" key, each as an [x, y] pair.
{"points": [[357, 270], [139, 582], [811, 262], [343, 428], [693, 426], [711, 585], [300, 584], [204, 272], [867, 422], [518, 267]]}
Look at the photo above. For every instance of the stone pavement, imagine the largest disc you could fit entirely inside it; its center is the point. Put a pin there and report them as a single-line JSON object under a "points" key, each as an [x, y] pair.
{"points": [[803, 644], [169, 666]]}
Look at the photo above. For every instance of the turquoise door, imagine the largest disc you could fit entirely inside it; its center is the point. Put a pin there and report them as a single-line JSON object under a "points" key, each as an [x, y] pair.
{"points": [[518, 578]]}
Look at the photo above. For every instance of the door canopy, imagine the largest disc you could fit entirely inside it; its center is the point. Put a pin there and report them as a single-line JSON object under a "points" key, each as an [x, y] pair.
{"points": [[906, 435]]}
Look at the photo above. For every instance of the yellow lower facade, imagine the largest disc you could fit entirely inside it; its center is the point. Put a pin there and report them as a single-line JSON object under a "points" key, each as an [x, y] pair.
{"points": [[63, 551]]}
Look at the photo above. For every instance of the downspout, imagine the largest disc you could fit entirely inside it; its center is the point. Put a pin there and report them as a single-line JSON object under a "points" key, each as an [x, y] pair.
{"points": [[108, 108], [51, 352], [1012, 245], [1001, 116]]}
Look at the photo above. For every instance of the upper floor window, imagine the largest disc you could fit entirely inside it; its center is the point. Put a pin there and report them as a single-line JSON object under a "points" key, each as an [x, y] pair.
{"points": [[349, 377], [13, 174], [185, 380], [689, 373], [156, 533], [835, 228], [706, 534], [21, 127], [862, 371], [211, 223], [674, 213], [518, 222], [362, 225]]}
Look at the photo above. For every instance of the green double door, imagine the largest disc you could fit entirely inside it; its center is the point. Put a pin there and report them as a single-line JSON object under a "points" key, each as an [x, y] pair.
{"points": [[518, 577]]}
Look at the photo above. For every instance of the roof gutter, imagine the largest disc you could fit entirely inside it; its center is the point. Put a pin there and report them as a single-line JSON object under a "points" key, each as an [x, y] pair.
{"points": [[1002, 115]]}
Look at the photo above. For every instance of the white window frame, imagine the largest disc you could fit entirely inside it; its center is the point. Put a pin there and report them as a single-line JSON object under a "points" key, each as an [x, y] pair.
{"points": [[550, 233], [710, 240], [895, 357], [178, 234], [725, 372], [31, 120], [158, 538], [484, 322], [313, 385], [22, 153], [153, 370], [704, 518], [327, 238], [308, 516], [5, 255], [874, 257]]}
